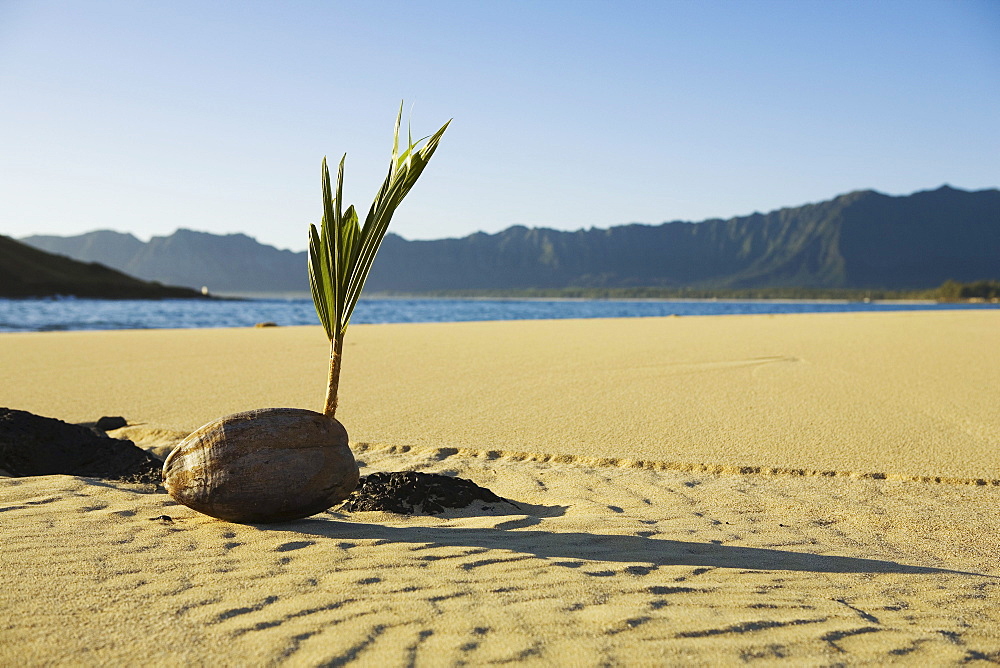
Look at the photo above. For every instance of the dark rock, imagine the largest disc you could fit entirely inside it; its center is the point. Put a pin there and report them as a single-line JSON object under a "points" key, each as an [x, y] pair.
{"points": [[108, 423], [410, 492], [34, 445]]}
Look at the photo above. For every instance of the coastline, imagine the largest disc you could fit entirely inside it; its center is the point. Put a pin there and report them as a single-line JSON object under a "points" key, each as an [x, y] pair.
{"points": [[811, 488], [99, 315]]}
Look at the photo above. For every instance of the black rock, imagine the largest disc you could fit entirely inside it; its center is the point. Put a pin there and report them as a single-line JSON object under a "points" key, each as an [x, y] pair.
{"points": [[410, 492], [108, 423], [34, 445]]}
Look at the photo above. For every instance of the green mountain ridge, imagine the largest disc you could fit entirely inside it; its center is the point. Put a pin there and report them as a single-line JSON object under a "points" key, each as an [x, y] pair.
{"points": [[859, 240], [223, 263], [30, 272], [862, 239]]}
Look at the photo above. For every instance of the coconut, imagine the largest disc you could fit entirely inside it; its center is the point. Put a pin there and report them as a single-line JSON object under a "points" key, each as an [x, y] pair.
{"points": [[260, 466]]}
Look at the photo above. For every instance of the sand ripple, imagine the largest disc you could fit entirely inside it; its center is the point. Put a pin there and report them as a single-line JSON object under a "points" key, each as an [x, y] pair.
{"points": [[601, 565]]}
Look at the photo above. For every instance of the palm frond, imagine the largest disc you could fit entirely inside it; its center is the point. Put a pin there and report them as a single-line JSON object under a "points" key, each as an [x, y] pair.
{"points": [[341, 253], [319, 285]]}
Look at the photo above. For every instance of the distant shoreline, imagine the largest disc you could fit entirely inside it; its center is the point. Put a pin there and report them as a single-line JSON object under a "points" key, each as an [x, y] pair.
{"points": [[518, 297], [940, 295], [950, 291], [46, 315]]}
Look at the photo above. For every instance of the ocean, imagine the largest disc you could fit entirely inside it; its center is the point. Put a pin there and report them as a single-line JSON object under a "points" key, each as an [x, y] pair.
{"points": [[63, 314]]}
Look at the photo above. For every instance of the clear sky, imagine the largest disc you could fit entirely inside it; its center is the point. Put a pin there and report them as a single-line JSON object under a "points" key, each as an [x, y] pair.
{"points": [[144, 117]]}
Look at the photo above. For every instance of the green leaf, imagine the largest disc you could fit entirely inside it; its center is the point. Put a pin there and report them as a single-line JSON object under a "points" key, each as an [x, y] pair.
{"points": [[404, 170], [341, 253], [349, 233], [317, 282]]}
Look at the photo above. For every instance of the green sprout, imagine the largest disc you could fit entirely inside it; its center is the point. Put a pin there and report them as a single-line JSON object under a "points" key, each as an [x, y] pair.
{"points": [[341, 252]]}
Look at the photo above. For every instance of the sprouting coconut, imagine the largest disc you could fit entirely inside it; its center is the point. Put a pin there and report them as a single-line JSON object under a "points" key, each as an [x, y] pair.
{"points": [[278, 464]]}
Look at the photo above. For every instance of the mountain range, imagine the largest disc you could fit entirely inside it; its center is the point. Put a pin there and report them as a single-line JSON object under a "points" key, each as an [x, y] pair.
{"points": [[863, 239], [30, 272], [227, 264]]}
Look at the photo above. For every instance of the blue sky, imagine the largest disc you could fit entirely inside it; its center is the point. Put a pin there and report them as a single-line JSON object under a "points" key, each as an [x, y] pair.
{"points": [[148, 116]]}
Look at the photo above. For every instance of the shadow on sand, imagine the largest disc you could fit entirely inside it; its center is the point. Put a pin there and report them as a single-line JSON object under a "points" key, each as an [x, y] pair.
{"points": [[600, 547]]}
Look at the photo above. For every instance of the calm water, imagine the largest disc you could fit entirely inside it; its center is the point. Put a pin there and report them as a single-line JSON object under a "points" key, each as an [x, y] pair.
{"points": [[34, 315]]}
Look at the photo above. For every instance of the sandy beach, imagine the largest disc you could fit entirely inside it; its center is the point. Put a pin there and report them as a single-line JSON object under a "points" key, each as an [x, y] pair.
{"points": [[814, 489]]}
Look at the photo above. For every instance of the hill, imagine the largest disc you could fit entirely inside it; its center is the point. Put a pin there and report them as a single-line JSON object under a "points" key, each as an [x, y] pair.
{"points": [[30, 272], [226, 264], [859, 240], [862, 239]]}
